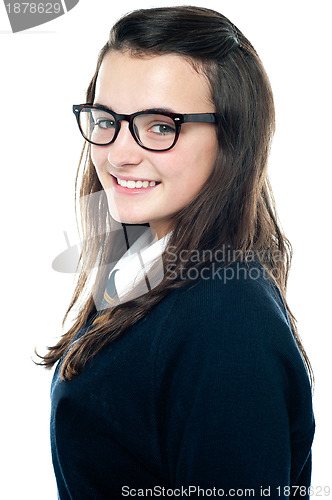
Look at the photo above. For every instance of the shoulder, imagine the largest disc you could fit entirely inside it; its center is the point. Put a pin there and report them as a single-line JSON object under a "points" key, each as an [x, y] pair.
{"points": [[233, 323], [236, 298]]}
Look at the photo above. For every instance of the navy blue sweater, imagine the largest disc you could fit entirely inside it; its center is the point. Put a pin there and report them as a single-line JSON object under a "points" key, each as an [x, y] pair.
{"points": [[207, 391]]}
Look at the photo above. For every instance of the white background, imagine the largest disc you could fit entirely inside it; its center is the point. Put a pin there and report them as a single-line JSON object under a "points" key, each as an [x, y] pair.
{"points": [[47, 69]]}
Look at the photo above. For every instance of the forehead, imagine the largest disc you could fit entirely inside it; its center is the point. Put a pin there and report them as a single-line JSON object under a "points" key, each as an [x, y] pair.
{"points": [[128, 84]]}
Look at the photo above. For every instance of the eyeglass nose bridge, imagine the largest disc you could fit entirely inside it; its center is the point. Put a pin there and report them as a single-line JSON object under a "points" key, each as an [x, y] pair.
{"points": [[130, 119]]}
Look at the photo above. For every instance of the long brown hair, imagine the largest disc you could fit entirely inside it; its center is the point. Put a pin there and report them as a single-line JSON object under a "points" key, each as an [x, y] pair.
{"points": [[235, 208]]}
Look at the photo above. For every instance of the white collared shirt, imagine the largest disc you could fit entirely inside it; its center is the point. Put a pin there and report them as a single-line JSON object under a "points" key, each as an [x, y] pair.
{"points": [[136, 263]]}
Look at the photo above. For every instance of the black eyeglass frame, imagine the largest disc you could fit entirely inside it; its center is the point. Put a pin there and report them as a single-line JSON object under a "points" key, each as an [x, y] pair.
{"points": [[178, 119]]}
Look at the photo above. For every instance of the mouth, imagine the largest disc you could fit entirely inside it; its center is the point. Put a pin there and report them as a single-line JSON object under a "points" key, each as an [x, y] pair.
{"points": [[135, 183]]}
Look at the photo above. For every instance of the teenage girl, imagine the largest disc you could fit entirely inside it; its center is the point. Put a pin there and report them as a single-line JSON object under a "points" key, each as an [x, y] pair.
{"points": [[183, 369]]}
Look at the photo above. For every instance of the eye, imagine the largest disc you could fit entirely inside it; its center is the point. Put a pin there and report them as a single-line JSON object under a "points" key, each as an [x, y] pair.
{"points": [[162, 129], [104, 123]]}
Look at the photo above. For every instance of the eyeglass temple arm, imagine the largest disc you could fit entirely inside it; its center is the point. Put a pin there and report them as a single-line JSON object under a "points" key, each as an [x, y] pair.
{"points": [[200, 117]]}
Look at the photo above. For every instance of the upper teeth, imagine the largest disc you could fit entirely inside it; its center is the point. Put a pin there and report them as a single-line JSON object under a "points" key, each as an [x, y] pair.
{"points": [[135, 184]]}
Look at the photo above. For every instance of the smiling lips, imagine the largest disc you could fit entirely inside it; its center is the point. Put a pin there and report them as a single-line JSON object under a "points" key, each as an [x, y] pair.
{"points": [[133, 184]]}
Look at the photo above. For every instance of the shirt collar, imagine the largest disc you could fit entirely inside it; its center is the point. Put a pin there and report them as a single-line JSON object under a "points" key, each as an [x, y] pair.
{"points": [[137, 262]]}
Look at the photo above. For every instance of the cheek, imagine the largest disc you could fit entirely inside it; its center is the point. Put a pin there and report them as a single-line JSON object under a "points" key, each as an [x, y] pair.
{"points": [[98, 158], [192, 167]]}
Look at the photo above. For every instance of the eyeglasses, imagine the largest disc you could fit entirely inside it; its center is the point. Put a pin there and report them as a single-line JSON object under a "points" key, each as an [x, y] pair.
{"points": [[154, 129]]}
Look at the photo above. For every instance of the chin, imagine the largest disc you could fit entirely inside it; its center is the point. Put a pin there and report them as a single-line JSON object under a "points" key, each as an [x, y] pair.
{"points": [[128, 219]]}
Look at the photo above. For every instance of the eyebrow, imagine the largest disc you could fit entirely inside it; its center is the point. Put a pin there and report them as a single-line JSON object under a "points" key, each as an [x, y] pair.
{"points": [[157, 109]]}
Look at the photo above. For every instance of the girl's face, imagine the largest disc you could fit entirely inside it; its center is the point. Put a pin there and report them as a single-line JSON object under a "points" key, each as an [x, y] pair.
{"points": [[129, 84]]}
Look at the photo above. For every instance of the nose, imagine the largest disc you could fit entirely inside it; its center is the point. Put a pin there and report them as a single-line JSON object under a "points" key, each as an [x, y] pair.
{"points": [[124, 150]]}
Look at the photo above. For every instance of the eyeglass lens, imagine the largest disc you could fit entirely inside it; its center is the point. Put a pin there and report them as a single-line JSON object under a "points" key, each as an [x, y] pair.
{"points": [[153, 131]]}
